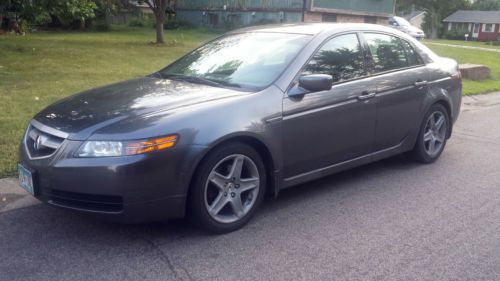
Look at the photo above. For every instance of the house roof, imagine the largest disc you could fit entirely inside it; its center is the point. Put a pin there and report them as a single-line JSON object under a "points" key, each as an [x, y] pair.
{"points": [[474, 17], [413, 14]]}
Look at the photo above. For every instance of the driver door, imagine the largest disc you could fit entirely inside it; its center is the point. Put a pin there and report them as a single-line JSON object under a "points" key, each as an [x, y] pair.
{"points": [[323, 129]]}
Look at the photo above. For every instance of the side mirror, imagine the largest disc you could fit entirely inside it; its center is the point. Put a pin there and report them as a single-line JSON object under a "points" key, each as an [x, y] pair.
{"points": [[316, 82]]}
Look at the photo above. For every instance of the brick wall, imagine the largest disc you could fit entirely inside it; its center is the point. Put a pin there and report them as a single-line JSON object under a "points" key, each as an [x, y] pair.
{"points": [[350, 18], [489, 36], [318, 17], [312, 17]]}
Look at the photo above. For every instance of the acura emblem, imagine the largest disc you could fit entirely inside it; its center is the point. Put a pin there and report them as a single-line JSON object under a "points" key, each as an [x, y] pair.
{"points": [[38, 142]]}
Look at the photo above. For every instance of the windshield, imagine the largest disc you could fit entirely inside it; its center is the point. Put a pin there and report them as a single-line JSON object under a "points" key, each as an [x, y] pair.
{"points": [[402, 21], [246, 60]]}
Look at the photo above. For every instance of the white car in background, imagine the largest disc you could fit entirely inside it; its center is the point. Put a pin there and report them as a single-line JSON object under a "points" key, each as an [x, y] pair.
{"points": [[403, 25]]}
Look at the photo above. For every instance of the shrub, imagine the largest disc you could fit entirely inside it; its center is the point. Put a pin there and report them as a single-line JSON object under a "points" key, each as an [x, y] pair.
{"points": [[495, 43], [177, 24], [458, 34], [100, 25], [136, 22], [264, 22]]}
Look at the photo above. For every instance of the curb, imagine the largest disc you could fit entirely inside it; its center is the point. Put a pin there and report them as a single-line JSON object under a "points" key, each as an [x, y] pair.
{"points": [[12, 196]]}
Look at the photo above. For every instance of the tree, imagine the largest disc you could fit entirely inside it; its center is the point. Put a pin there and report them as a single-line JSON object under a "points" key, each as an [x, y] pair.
{"points": [[22, 13], [159, 8], [68, 11], [486, 5], [436, 11]]}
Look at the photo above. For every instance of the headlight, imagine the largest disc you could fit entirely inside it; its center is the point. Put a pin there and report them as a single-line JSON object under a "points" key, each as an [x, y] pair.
{"points": [[122, 148]]}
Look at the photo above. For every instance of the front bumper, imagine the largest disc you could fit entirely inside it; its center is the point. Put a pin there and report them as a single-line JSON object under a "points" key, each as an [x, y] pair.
{"points": [[136, 188]]}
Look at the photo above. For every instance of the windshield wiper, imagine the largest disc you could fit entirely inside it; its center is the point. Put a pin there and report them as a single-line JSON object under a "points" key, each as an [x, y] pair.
{"points": [[193, 79], [201, 80]]}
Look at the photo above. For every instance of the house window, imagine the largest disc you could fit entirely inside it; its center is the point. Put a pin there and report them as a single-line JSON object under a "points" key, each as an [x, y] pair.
{"points": [[329, 17], [213, 19], [476, 27], [370, 19], [488, 27]]}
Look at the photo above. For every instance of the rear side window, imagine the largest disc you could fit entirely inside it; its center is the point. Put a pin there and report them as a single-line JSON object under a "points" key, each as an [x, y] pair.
{"points": [[341, 57], [390, 52], [411, 55]]}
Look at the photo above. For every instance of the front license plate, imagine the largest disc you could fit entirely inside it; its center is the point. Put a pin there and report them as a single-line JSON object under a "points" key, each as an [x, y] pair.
{"points": [[26, 179]]}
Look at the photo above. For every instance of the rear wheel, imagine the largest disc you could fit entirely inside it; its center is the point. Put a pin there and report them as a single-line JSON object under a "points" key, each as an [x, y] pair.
{"points": [[228, 188], [432, 136]]}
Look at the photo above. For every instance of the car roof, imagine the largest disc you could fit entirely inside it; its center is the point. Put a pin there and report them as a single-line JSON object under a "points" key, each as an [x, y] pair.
{"points": [[314, 28]]}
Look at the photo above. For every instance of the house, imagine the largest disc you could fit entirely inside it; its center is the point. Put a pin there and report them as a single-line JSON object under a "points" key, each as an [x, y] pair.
{"points": [[416, 18], [236, 13], [480, 25], [367, 11]]}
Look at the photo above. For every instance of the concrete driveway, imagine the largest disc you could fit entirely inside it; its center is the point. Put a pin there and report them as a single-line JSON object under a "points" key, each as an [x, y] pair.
{"points": [[391, 220]]}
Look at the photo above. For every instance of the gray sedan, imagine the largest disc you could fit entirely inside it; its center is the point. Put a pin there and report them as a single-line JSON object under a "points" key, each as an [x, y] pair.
{"points": [[244, 116]]}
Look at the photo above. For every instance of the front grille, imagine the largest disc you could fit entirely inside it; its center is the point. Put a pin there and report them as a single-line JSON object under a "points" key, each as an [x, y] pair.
{"points": [[42, 141], [86, 202]]}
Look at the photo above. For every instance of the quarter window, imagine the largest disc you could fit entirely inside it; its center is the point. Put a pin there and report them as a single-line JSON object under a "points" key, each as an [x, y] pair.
{"points": [[341, 57], [389, 52]]}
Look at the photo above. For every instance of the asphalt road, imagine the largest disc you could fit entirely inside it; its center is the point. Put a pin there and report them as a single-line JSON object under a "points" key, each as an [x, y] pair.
{"points": [[391, 220]]}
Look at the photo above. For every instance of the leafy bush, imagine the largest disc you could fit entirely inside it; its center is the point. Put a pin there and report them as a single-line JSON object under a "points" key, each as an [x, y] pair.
{"points": [[136, 22], [142, 21], [100, 25], [264, 22], [494, 43], [177, 24], [457, 34]]}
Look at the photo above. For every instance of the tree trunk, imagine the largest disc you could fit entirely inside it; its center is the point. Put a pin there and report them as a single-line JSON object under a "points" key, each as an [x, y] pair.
{"points": [[159, 31], [158, 7], [82, 24], [434, 25]]}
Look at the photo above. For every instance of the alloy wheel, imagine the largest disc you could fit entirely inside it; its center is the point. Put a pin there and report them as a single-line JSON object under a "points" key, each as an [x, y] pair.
{"points": [[232, 188], [435, 133]]}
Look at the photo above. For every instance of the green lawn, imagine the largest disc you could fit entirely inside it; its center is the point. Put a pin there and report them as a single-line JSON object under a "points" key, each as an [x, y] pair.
{"points": [[490, 59], [38, 69]]}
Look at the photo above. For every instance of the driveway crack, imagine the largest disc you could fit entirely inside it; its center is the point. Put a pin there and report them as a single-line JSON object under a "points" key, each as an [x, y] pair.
{"points": [[168, 261]]}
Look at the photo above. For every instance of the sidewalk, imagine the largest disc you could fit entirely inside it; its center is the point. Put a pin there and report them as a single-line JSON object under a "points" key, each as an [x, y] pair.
{"points": [[476, 102], [465, 47]]}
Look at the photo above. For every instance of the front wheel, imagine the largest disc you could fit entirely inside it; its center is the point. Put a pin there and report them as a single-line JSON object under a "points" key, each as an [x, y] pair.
{"points": [[227, 189], [432, 136]]}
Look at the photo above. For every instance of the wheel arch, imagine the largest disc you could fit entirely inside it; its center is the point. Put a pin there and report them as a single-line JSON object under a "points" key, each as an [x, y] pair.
{"points": [[270, 165], [447, 106], [442, 97]]}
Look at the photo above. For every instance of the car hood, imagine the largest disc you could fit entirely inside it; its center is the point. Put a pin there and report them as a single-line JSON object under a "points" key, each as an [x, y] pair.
{"points": [[413, 29], [92, 110]]}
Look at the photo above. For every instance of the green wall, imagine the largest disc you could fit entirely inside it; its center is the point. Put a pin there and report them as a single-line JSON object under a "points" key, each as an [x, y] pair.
{"points": [[239, 4], [374, 6]]}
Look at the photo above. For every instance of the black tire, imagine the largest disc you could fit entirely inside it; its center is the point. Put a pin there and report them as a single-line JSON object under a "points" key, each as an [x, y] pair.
{"points": [[197, 205], [420, 151]]}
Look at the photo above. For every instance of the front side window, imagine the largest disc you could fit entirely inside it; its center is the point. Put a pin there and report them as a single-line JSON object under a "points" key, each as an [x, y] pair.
{"points": [[388, 52], [248, 60], [488, 27], [341, 57]]}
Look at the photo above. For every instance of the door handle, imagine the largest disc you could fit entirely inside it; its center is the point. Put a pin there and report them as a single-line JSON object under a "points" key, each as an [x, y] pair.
{"points": [[421, 83], [366, 95]]}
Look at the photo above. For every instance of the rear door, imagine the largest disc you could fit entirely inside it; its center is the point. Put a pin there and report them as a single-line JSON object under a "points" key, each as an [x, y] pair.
{"points": [[401, 79]]}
